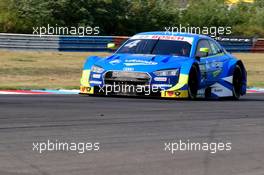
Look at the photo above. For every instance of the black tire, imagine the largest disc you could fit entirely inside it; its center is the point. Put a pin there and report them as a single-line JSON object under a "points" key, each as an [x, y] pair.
{"points": [[237, 82], [193, 83]]}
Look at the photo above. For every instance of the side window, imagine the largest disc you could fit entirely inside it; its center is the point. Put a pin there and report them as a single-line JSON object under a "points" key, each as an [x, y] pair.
{"points": [[215, 48], [203, 44]]}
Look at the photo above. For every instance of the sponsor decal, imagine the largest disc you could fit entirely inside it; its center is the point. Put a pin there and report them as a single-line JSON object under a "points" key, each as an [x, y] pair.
{"points": [[177, 93], [128, 69], [160, 78], [164, 37], [217, 64], [95, 82], [96, 76], [216, 73], [217, 90], [132, 44], [162, 85], [113, 62], [220, 90], [210, 65], [139, 63]]}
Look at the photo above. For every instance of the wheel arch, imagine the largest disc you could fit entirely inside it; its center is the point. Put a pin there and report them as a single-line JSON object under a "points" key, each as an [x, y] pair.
{"points": [[244, 72], [185, 69], [231, 68], [244, 77], [198, 71]]}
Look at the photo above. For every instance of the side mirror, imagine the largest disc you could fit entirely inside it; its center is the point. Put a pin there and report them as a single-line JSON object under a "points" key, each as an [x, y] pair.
{"points": [[205, 51], [111, 45]]}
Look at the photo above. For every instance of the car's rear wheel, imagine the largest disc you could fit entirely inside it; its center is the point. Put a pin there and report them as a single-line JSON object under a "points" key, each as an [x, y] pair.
{"points": [[193, 83], [237, 82]]}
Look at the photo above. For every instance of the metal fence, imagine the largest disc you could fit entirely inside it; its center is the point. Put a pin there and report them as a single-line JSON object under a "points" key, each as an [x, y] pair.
{"points": [[58, 43], [99, 43], [21, 41], [90, 43]]}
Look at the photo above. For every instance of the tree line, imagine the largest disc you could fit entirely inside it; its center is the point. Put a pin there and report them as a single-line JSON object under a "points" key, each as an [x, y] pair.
{"points": [[127, 17]]}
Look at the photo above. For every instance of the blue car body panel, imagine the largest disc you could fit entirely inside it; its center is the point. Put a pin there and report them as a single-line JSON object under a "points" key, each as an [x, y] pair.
{"points": [[215, 71]]}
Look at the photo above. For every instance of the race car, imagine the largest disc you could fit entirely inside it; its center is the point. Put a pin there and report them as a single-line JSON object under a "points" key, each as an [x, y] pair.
{"points": [[166, 65]]}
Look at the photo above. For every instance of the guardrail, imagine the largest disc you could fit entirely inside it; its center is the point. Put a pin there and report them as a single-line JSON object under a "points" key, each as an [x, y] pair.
{"points": [[89, 43], [99, 43], [58, 43], [21, 41]]}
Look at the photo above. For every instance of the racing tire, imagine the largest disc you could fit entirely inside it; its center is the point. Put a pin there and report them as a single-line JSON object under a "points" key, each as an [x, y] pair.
{"points": [[193, 83], [237, 82]]}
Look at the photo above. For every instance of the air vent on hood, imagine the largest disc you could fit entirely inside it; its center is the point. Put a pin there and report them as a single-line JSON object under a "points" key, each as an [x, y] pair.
{"points": [[113, 57], [165, 60]]}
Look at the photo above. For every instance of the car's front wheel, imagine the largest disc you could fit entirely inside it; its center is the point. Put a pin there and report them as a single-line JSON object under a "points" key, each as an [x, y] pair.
{"points": [[193, 83]]}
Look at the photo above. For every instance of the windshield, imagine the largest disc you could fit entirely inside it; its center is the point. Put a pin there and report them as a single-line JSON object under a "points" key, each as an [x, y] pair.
{"points": [[157, 47]]}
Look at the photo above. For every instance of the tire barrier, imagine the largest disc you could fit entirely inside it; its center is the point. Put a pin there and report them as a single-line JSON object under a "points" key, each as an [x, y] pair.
{"points": [[258, 46], [236, 44], [99, 43]]}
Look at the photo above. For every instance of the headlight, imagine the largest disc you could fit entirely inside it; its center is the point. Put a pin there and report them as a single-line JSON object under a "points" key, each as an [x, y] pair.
{"points": [[171, 72], [97, 69]]}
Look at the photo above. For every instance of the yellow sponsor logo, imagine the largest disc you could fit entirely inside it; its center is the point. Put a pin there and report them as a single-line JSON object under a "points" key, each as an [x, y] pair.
{"points": [[85, 85], [86, 90], [175, 94]]}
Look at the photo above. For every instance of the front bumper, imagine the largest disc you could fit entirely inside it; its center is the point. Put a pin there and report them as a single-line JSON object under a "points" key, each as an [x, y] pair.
{"points": [[145, 87], [164, 94]]}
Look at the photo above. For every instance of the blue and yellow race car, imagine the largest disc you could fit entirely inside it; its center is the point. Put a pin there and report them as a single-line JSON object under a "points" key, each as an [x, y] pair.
{"points": [[169, 65]]}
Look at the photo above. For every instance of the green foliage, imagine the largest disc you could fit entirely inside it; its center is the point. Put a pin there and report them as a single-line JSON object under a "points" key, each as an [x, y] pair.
{"points": [[126, 17], [5, 16], [150, 15], [201, 13]]}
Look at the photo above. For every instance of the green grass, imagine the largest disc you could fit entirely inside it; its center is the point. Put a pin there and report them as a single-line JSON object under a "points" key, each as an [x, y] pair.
{"points": [[41, 70], [254, 63], [62, 70]]}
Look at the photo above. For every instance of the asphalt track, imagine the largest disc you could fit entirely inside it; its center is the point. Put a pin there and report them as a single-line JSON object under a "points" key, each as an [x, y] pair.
{"points": [[132, 133]]}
